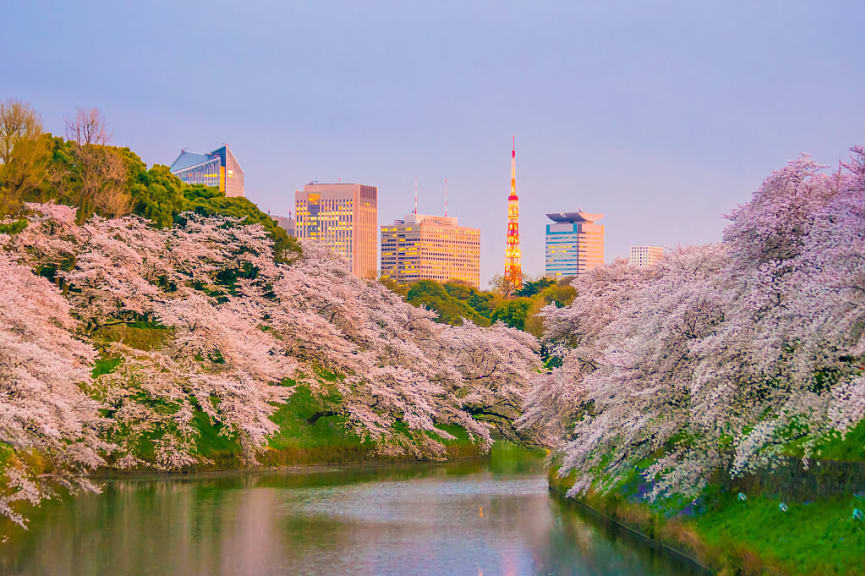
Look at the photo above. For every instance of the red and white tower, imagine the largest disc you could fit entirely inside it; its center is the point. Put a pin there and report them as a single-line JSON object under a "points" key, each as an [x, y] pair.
{"points": [[513, 267]]}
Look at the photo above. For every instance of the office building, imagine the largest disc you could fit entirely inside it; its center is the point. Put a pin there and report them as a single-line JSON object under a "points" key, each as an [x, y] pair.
{"points": [[645, 256], [286, 223], [574, 244], [219, 169], [430, 247], [344, 217]]}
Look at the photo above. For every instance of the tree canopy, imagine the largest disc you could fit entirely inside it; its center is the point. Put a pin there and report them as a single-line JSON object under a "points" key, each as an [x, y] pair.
{"points": [[84, 171]]}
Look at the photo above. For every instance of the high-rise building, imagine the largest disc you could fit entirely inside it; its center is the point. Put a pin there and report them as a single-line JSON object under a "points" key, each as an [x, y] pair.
{"points": [[645, 256], [513, 265], [219, 169], [430, 247], [575, 243], [345, 218], [286, 223]]}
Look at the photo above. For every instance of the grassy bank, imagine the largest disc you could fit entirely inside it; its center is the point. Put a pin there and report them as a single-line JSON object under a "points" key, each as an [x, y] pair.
{"points": [[312, 430], [730, 535], [313, 427]]}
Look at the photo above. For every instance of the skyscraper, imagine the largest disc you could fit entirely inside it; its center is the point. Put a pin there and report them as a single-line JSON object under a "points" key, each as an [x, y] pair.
{"points": [[574, 244], [344, 217], [645, 256], [513, 266], [286, 223], [219, 169], [430, 247]]}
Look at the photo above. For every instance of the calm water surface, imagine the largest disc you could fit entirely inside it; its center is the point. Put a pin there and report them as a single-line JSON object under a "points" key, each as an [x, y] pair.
{"points": [[485, 518]]}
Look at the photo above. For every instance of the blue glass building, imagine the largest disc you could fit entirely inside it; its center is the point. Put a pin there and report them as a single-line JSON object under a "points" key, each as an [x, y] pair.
{"points": [[219, 169], [574, 244]]}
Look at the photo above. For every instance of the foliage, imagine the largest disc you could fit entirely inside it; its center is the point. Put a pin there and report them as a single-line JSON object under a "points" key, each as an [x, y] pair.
{"points": [[210, 202], [721, 356], [740, 536], [451, 305], [532, 287], [560, 294], [84, 171], [13, 226], [41, 407], [204, 340], [817, 537], [513, 312], [315, 424], [23, 155], [454, 301]]}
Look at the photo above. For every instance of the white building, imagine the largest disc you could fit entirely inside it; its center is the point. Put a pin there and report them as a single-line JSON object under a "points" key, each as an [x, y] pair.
{"points": [[645, 256]]}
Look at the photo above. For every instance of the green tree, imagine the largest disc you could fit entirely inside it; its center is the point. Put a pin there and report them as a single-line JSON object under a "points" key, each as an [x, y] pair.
{"points": [[436, 296], [157, 194], [24, 155], [532, 287], [395, 287], [513, 312], [560, 294]]}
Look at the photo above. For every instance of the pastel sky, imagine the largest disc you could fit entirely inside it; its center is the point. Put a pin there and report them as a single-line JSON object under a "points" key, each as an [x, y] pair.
{"points": [[660, 115]]}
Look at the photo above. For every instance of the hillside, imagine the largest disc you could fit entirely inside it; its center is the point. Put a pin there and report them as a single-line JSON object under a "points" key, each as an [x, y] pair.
{"points": [[124, 345]]}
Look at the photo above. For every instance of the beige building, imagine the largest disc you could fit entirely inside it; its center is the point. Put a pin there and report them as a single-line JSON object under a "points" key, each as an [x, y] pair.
{"points": [[432, 248], [645, 256], [345, 218], [286, 223], [574, 244]]}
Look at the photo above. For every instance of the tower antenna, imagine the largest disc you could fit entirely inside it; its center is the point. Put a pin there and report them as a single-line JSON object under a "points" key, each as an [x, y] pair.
{"points": [[415, 196], [446, 197], [513, 264]]}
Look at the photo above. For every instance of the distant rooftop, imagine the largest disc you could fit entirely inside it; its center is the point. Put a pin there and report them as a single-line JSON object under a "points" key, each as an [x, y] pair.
{"points": [[418, 218], [317, 183], [189, 159], [578, 216]]}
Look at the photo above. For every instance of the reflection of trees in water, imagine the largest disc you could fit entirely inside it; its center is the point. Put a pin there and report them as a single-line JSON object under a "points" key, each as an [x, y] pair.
{"points": [[605, 548], [394, 519]]}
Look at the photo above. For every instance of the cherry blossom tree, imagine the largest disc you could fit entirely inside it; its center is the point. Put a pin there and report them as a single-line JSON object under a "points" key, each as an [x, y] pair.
{"points": [[42, 408], [721, 355], [238, 331]]}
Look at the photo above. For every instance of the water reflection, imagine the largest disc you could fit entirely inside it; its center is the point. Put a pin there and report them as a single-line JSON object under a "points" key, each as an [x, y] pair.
{"points": [[468, 518]]}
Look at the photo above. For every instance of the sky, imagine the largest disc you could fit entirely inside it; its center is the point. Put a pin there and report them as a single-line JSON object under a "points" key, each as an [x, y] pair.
{"points": [[663, 116]]}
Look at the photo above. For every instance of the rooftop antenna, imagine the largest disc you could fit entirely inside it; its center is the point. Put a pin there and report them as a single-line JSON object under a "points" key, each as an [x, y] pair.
{"points": [[415, 196], [446, 197]]}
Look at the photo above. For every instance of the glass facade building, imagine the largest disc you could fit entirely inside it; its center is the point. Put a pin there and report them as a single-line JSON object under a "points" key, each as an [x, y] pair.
{"points": [[219, 169], [422, 247], [574, 244], [344, 217]]}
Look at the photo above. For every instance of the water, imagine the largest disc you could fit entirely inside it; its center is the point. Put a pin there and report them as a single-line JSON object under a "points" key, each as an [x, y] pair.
{"points": [[482, 518]]}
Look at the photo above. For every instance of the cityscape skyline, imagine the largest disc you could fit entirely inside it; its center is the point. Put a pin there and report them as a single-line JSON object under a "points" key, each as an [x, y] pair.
{"points": [[656, 113]]}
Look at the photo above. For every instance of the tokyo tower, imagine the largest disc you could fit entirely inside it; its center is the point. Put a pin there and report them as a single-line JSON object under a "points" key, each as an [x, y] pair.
{"points": [[513, 268]]}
